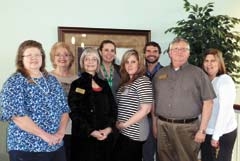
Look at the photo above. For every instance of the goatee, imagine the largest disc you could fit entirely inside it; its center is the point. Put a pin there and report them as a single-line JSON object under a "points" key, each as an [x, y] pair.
{"points": [[151, 62]]}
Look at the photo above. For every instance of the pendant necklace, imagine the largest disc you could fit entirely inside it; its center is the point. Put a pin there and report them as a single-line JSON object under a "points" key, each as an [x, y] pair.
{"points": [[39, 86], [110, 77]]}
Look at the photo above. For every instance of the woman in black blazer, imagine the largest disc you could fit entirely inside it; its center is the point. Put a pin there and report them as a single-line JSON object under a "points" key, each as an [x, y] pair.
{"points": [[93, 112]]}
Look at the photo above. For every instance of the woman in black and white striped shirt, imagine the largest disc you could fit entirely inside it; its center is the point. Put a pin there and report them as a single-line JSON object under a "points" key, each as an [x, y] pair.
{"points": [[134, 100]]}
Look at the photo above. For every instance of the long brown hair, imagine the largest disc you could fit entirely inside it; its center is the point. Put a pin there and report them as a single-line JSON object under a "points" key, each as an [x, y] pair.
{"points": [[125, 79], [19, 58], [218, 56]]}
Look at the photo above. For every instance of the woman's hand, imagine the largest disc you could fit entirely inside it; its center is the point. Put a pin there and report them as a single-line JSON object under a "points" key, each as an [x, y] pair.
{"points": [[26, 123], [50, 139], [106, 131], [59, 136], [121, 125], [98, 135], [215, 143]]}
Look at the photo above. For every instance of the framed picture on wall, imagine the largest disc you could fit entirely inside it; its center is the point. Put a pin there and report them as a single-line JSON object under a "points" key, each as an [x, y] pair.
{"points": [[80, 37]]}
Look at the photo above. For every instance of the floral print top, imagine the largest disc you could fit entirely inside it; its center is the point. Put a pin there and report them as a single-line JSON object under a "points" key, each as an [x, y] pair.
{"points": [[19, 97]]}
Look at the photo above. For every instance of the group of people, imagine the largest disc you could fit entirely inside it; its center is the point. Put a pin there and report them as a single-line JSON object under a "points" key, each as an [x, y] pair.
{"points": [[137, 111]]}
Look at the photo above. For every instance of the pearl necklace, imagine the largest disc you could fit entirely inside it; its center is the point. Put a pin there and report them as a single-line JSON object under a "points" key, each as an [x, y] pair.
{"points": [[39, 86]]}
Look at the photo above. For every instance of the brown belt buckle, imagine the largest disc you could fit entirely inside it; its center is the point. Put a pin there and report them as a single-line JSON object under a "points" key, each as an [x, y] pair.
{"points": [[170, 120]]}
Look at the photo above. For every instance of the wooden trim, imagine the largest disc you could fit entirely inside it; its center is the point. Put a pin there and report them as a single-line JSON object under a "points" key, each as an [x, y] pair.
{"points": [[80, 37], [105, 31], [236, 107]]}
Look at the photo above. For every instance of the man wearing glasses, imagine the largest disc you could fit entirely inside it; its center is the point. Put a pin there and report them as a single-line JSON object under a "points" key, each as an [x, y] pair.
{"points": [[182, 92]]}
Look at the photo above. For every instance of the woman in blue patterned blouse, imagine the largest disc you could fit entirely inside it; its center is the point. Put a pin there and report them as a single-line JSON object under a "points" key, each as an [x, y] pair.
{"points": [[34, 104]]}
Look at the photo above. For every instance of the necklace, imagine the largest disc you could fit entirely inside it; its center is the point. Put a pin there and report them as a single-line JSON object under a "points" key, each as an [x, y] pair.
{"points": [[110, 77], [46, 90]]}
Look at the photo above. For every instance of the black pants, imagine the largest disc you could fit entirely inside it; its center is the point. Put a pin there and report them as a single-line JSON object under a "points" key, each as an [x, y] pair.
{"points": [[226, 143], [91, 149], [127, 149], [67, 146], [57, 155]]}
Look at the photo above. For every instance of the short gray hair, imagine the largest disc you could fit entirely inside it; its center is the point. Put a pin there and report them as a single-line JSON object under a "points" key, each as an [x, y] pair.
{"points": [[177, 40], [88, 51]]}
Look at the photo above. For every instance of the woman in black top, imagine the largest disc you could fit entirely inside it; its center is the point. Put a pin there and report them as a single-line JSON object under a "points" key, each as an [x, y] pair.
{"points": [[93, 112]]}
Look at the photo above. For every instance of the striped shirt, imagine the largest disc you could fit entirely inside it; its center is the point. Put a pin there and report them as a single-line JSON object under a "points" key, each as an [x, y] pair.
{"points": [[129, 98]]}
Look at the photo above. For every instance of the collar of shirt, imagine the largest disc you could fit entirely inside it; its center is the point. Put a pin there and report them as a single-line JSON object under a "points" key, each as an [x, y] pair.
{"points": [[181, 67], [156, 68]]}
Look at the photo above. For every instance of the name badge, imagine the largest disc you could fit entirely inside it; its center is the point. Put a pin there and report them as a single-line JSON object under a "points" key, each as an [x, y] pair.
{"points": [[163, 76], [80, 90], [126, 91]]}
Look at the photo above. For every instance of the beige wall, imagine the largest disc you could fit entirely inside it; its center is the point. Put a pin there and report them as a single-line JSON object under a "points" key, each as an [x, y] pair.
{"points": [[38, 20]]}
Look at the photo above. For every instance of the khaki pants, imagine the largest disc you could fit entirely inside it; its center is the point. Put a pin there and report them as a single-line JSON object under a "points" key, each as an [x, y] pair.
{"points": [[175, 141]]}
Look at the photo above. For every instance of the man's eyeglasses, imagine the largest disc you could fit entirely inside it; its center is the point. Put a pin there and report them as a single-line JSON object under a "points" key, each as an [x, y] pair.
{"points": [[180, 49]]}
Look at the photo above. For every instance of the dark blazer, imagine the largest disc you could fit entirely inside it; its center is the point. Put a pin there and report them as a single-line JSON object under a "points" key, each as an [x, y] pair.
{"points": [[91, 110]]}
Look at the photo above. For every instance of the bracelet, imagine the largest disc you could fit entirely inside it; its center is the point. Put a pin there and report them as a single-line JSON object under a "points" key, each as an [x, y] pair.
{"points": [[202, 131]]}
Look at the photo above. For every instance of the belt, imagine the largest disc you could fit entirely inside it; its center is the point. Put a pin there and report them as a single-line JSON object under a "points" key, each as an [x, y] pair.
{"points": [[183, 121]]}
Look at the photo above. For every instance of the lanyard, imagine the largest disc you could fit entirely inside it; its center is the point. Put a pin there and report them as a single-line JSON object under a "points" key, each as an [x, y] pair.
{"points": [[110, 77]]}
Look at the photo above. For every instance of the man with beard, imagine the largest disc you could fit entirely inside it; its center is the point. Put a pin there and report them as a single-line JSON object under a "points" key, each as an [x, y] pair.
{"points": [[152, 53]]}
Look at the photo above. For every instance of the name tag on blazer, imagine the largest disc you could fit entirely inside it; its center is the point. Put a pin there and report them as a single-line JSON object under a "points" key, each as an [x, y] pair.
{"points": [[80, 90]]}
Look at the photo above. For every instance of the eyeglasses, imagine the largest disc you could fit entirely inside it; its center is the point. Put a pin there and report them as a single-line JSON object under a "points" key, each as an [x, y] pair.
{"points": [[90, 60], [180, 49], [63, 55], [32, 56]]}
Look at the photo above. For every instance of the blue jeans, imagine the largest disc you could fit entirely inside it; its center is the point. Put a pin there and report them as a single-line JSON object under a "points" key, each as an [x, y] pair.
{"points": [[58, 155], [150, 146]]}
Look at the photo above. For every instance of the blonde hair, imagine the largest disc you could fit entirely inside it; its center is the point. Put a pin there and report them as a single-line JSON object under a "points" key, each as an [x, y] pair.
{"points": [[125, 79], [53, 51]]}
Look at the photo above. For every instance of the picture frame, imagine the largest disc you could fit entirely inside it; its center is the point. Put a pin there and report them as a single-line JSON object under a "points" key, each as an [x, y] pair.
{"points": [[80, 37]]}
